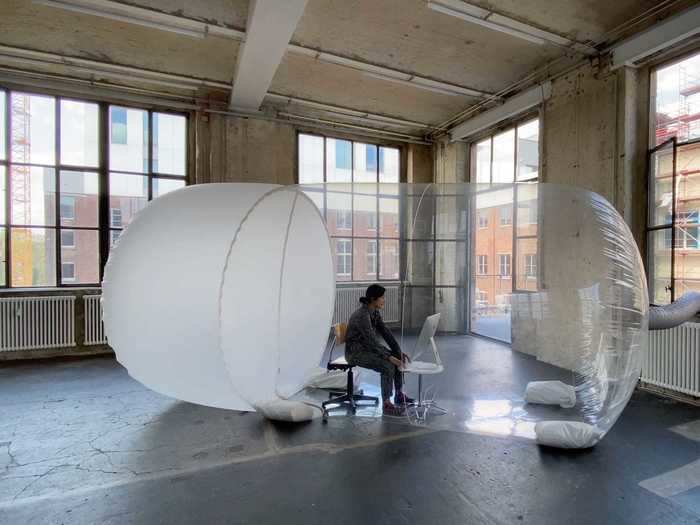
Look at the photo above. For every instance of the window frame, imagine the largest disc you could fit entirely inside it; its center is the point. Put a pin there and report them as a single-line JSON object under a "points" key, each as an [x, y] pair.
{"points": [[103, 224], [379, 197]]}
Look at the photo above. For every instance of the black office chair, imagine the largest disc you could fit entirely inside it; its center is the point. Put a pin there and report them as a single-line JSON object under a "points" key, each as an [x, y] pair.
{"points": [[346, 400]]}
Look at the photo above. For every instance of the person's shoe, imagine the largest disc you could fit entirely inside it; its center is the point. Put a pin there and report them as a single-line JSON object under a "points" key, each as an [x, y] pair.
{"points": [[403, 399], [389, 409]]}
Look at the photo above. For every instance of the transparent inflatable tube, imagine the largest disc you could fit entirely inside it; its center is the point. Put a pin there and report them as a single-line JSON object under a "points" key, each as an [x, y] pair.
{"points": [[223, 294], [195, 289]]}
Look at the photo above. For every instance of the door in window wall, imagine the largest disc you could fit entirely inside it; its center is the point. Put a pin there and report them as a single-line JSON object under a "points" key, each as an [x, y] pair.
{"points": [[504, 252]]}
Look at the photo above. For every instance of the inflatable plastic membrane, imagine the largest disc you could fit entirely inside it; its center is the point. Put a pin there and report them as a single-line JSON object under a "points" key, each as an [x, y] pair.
{"points": [[224, 294]]}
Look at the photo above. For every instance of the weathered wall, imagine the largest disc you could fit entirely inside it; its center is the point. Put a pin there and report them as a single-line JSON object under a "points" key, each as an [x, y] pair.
{"points": [[594, 135], [450, 162], [238, 149]]}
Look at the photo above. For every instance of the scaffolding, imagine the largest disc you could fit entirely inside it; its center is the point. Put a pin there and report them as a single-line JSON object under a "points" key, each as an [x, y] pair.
{"points": [[684, 123]]}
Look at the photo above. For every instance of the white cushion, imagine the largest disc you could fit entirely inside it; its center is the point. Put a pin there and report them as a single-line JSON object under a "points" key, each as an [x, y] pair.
{"points": [[286, 410], [550, 393], [567, 434]]}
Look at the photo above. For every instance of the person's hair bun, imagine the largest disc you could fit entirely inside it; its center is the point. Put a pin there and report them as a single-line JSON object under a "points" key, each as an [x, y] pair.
{"points": [[364, 300]]}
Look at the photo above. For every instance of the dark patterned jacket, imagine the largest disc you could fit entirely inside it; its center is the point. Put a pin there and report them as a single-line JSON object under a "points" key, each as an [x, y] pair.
{"points": [[364, 327]]}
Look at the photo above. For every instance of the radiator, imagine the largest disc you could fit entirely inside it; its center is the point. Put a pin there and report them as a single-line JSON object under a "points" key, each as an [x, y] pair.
{"points": [[29, 323], [94, 329], [673, 359], [347, 300]]}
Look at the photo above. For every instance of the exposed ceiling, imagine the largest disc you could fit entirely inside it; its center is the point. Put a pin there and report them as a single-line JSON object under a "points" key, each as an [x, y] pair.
{"points": [[406, 39]]}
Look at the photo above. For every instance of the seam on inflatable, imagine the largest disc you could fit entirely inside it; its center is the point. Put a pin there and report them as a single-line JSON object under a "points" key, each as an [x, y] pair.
{"points": [[279, 289], [413, 229], [223, 275]]}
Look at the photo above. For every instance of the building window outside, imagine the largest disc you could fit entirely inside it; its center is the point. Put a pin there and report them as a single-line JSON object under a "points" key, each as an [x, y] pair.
{"points": [[673, 248], [115, 218], [68, 272], [483, 220], [506, 215], [343, 219], [67, 239], [53, 229], [531, 266], [504, 265], [344, 256], [362, 218], [371, 257], [67, 207], [482, 265]]}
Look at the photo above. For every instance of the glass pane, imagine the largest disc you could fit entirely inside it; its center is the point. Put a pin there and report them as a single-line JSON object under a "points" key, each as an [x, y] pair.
{"points": [[528, 150], [389, 259], [527, 265], [676, 101], [163, 186], [418, 304], [659, 262], [389, 217], [338, 160], [114, 237], [420, 263], [318, 198], [388, 164], [33, 129], [504, 156], [79, 198], [33, 257], [310, 159], [451, 264], [490, 313], [451, 219], [79, 133], [527, 209], [80, 257], [450, 303], [3, 257], [33, 195], [365, 259], [365, 215], [169, 144], [482, 161], [342, 255], [3, 153], [128, 194], [128, 139], [365, 163], [339, 215], [3, 216], [661, 186]]}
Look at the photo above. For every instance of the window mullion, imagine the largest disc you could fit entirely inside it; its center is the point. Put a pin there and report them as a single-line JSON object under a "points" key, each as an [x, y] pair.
{"points": [[57, 189]]}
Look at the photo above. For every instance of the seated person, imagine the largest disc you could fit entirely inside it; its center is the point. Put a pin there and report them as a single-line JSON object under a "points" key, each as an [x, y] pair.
{"points": [[364, 348]]}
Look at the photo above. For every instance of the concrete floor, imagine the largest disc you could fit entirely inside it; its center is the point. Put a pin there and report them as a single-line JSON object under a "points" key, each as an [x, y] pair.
{"points": [[81, 442]]}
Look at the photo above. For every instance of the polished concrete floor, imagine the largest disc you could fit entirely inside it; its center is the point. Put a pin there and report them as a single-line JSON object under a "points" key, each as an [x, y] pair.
{"points": [[81, 442]]}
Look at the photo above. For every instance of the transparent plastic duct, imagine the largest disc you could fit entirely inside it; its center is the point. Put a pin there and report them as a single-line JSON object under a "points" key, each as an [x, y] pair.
{"points": [[223, 295]]}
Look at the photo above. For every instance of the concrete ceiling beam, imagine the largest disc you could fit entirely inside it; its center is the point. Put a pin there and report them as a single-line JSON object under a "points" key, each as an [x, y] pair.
{"points": [[269, 29]]}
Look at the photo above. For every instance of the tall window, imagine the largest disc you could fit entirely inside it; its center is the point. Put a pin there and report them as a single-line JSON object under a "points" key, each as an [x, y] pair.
{"points": [[673, 244], [504, 265], [482, 267], [507, 217], [362, 216], [52, 175]]}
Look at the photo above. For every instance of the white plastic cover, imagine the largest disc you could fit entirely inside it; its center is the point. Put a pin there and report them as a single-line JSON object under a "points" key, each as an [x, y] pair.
{"points": [[550, 393], [195, 315], [567, 434]]}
